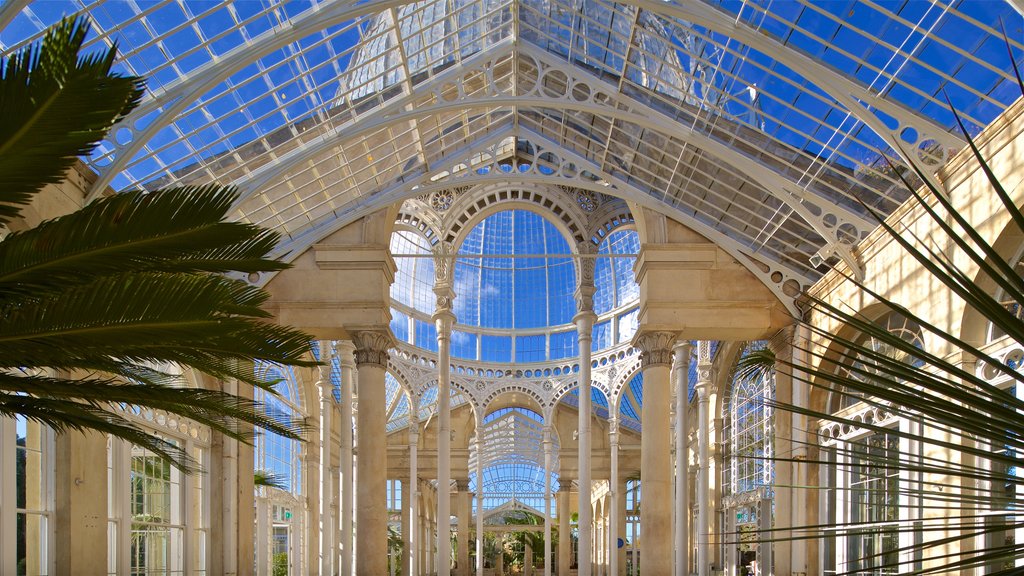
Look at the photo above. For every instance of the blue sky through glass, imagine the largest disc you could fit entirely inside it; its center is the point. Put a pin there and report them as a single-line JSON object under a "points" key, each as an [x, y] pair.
{"points": [[528, 291]]}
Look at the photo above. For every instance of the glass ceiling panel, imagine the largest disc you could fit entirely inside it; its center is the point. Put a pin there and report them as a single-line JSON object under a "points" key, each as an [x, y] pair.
{"points": [[238, 88], [519, 286], [414, 279], [613, 277]]}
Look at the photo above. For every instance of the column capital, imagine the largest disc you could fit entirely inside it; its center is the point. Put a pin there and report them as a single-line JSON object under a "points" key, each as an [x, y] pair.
{"points": [[655, 348], [565, 484], [345, 350], [443, 317], [681, 352], [462, 484], [546, 437], [584, 321], [613, 430], [372, 347]]}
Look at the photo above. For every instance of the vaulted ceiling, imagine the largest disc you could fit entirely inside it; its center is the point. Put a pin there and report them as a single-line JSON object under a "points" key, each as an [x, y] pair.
{"points": [[767, 126]]}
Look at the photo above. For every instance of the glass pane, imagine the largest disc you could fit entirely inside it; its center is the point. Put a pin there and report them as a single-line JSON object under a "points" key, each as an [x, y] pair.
{"points": [[31, 544]]}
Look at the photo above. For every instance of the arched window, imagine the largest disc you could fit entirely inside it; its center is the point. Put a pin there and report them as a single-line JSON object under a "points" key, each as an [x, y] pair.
{"points": [[895, 324], [749, 474], [279, 475], [276, 455], [513, 460], [870, 488], [617, 289], [412, 292]]}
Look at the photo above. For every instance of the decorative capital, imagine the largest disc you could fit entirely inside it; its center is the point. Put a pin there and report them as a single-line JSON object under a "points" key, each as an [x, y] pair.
{"points": [[681, 353], [345, 350], [462, 484], [443, 262], [372, 347], [443, 318], [655, 348], [584, 321]]}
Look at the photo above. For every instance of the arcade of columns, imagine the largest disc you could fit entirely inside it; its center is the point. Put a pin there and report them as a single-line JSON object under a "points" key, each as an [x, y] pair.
{"points": [[681, 278]]}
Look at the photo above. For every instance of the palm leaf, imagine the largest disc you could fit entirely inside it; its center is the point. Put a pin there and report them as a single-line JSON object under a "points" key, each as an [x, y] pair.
{"points": [[127, 283], [269, 480], [54, 107], [176, 230], [975, 426]]}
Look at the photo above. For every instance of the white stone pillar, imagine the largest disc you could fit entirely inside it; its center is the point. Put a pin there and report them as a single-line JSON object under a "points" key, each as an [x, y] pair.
{"points": [[655, 453], [411, 541], [443, 321], [681, 371], [463, 513], [479, 442], [372, 514], [326, 528], [703, 390], [548, 465], [564, 539], [408, 494], [801, 503], [584, 321], [346, 351], [613, 487]]}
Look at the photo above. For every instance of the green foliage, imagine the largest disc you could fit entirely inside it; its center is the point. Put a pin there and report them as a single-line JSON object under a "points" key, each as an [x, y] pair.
{"points": [[268, 480], [280, 564], [976, 426], [92, 302]]}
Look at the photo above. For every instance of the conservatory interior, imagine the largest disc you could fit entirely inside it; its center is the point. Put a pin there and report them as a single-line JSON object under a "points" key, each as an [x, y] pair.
{"points": [[486, 203]]}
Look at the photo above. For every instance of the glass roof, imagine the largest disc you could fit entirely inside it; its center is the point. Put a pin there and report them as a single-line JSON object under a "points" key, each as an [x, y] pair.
{"points": [[521, 287], [760, 124], [513, 453]]}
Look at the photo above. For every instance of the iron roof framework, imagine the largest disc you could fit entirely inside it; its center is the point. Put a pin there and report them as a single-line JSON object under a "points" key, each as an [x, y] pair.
{"points": [[763, 125]]}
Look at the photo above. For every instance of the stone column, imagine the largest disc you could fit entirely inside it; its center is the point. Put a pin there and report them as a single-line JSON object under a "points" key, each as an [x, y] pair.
{"points": [[326, 393], [479, 443], [803, 558], [620, 507], [780, 559], [443, 321], [411, 541], [548, 464], [703, 390], [681, 371], [465, 510], [584, 321], [408, 495], [564, 537], [372, 514], [346, 351], [232, 514], [613, 487], [655, 452]]}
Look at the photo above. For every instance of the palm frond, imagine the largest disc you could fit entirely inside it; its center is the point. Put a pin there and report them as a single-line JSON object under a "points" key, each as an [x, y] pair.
{"points": [[175, 230], [269, 480], [55, 105]]}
